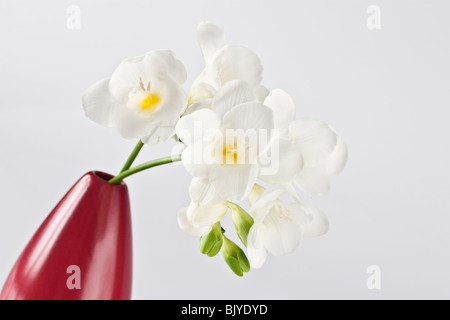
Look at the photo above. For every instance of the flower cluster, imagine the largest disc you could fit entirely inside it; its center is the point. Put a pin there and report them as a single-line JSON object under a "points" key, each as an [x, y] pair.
{"points": [[237, 136]]}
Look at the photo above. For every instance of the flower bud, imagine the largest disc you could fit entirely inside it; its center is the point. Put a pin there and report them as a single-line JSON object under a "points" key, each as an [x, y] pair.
{"points": [[235, 257], [255, 193], [211, 243], [242, 221]]}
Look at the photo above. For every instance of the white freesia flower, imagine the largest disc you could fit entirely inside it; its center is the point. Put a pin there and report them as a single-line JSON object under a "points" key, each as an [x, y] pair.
{"points": [[197, 219], [310, 152], [206, 209], [324, 154], [279, 227], [143, 98], [224, 63], [223, 143]]}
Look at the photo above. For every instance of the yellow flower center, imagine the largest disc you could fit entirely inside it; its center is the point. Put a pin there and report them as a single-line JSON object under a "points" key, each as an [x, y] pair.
{"points": [[149, 104], [230, 155]]}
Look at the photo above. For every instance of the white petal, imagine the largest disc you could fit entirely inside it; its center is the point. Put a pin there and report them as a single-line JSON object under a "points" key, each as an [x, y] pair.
{"points": [[160, 124], [204, 104], [266, 200], [162, 133], [283, 108], [255, 193], [173, 104], [174, 67], [208, 80], [338, 158], [153, 64], [188, 227], [315, 139], [249, 116], [173, 101], [233, 182], [281, 162], [261, 92], [202, 192], [98, 104], [281, 236], [297, 213], [232, 94], [129, 72], [210, 38], [196, 125], [132, 125], [206, 215], [313, 180], [319, 224], [193, 160], [256, 252], [252, 123], [201, 91], [284, 227], [240, 63]]}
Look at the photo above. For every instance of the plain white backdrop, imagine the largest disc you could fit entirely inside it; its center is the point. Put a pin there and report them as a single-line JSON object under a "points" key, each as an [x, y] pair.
{"points": [[386, 91]]}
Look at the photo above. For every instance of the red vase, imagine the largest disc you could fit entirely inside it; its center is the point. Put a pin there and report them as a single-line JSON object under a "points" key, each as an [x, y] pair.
{"points": [[83, 249]]}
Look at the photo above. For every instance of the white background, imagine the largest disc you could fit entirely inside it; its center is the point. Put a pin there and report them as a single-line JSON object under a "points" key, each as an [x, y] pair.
{"points": [[387, 93]]}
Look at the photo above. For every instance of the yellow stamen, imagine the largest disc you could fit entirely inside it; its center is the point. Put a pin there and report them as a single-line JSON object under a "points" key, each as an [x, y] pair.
{"points": [[149, 104], [230, 154]]}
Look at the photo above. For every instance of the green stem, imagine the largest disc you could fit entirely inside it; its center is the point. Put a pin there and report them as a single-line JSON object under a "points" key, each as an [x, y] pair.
{"points": [[132, 156], [154, 163]]}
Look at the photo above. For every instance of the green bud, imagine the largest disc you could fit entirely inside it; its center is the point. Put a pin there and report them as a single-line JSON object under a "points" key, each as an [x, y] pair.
{"points": [[211, 243], [242, 221], [235, 257]]}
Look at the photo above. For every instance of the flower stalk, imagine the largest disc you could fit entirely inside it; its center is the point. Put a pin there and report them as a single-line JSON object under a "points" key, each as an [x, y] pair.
{"points": [[154, 163], [132, 156]]}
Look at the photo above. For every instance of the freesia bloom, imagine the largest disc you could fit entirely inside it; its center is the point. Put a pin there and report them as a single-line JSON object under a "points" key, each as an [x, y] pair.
{"points": [[324, 154], [224, 63], [143, 99], [234, 132], [197, 220], [223, 144], [310, 151], [279, 227]]}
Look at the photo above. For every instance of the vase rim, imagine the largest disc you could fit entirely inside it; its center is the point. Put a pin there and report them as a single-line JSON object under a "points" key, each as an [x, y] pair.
{"points": [[105, 177]]}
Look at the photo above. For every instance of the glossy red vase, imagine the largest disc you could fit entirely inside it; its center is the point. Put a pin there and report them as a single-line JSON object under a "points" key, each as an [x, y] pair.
{"points": [[83, 249]]}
